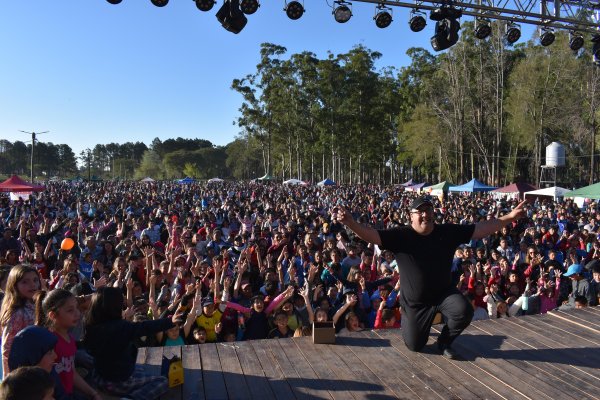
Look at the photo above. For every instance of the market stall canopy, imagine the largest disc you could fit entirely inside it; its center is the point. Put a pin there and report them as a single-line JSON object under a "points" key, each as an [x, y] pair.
{"points": [[294, 182], [326, 182], [267, 177], [514, 190], [554, 192], [472, 186], [417, 187], [588, 192], [186, 180], [18, 185], [409, 182], [440, 187], [147, 179], [215, 180]]}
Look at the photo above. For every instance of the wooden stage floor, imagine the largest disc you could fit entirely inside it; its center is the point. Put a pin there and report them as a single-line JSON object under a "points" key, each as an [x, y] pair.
{"points": [[552, 356]]}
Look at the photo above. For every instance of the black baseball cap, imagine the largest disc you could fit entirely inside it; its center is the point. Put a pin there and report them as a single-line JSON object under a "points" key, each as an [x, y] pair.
{"points": [[420, 201]]}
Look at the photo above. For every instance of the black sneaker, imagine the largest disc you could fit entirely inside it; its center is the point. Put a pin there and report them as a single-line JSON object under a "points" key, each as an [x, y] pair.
{"points": [[447, 351]]}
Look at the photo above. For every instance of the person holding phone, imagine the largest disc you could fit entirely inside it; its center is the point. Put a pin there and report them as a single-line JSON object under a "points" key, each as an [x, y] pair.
{"points": [[424, 251]]}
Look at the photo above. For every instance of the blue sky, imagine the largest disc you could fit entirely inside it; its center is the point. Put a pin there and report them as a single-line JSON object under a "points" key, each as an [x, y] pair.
{"points": [[91, 72]]}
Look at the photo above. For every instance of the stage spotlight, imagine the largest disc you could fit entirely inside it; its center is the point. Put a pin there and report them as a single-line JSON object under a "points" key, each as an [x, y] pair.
{"points": [[417, 22], [114, 1], [483, 29], [513, 33], [383, 17], [575, 41], [231, 17], [342, 12], [294, 10], [249, 6], [160, 3], [205, 5], [547, 37], [446, 34], [596, 50]]}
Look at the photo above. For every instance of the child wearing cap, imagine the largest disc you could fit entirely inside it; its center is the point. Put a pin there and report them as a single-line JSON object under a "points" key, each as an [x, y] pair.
{"points": [[579, 287]]}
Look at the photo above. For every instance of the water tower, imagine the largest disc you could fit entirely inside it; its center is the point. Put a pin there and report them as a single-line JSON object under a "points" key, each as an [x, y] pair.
{"points": [[555, 157]]}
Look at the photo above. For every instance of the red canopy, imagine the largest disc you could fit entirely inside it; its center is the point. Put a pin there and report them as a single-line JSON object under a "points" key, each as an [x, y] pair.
{"points": [[16, 184]]}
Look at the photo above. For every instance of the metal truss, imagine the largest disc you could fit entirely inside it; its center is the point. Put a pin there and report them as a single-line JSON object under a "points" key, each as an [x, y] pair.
{"points": [[572, 15]]}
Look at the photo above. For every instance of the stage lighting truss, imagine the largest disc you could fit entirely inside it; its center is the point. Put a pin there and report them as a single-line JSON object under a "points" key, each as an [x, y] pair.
{"points": [[249, 7], [342, 11], [294, 9], [417, 21], [572, 15], [383, 16]]}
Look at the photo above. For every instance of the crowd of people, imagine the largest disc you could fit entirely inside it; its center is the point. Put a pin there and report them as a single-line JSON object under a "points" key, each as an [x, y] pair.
{"points": [[92, 271]]}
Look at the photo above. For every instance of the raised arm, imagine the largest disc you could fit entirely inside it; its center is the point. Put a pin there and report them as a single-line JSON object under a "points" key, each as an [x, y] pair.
{"points": [[366, 233], [486, 228]]}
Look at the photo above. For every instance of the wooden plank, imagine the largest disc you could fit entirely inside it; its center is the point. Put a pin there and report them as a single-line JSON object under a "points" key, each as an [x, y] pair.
{"points": [[577, 352], [275, 376], [569, 329], [212, 374], [594, 311], [307, 377], [445, 381], [580, 316], [375, 387], [324, 363], [258, 384], [153, 360], [476, 348], [382, 359], [531, 361], [193, 387], [237, 388], [557, 360], [174, 393]]}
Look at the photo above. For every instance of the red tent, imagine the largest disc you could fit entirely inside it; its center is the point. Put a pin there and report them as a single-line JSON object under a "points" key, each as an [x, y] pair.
{"points": [[16, 184], [516, 189]]}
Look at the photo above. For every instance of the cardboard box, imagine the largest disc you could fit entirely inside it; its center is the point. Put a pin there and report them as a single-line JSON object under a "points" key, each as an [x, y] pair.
{"points": [[323, 332]]}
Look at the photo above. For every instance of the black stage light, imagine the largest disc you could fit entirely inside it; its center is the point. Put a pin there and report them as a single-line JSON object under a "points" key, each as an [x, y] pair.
{"points": [[114, 1], [575, 41], [294, 10], [160, 3], [383, 17], [417, 23], [342, 12], [483, 29], [205, 5], [513, 33], [547, 37], [446, 34], [231, 17], [249, 6]]}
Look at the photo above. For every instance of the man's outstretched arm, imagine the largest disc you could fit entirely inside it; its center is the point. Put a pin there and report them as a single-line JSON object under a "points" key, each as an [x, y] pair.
{"points": [[486, 228], [366, 233]]}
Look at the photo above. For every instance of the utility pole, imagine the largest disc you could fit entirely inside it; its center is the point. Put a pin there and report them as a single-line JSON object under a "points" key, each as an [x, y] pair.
{"points": [[33, 139]]}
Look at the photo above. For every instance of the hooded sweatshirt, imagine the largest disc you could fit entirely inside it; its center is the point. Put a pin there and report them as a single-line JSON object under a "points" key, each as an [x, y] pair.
{"points": [[28, 348]]}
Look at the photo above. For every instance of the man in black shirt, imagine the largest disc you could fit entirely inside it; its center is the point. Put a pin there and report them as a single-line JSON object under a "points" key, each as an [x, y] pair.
{"points": [[424, 252]]}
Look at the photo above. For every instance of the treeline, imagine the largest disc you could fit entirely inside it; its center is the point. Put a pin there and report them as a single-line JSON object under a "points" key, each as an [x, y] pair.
{"points": [[481, 109]]}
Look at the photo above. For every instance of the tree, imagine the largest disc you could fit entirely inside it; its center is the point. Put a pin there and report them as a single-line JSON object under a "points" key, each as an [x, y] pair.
{"points": [[150, 166]]}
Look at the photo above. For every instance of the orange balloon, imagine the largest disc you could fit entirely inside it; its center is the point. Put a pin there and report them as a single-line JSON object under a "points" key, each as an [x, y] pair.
{"points": [[67, 244]]}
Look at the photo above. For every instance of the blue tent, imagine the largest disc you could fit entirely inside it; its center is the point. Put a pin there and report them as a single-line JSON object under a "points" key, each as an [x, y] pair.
{"points": [[472, 186], [186, 180], [326, 182]]}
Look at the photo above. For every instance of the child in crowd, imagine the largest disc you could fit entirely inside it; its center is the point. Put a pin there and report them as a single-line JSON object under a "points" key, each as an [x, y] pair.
{"points": [[31, 383], [386, 318], [109, 339], [59, 312], [17, 310]]}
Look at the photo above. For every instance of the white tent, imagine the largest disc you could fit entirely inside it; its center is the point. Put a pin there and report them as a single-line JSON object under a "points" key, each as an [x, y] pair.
{"points": [[554, 192], [215, 180], [147, 179], [294, 182]]}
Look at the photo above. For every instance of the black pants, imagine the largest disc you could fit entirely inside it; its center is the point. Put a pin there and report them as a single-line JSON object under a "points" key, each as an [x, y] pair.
{"points": [[417, 320]]}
